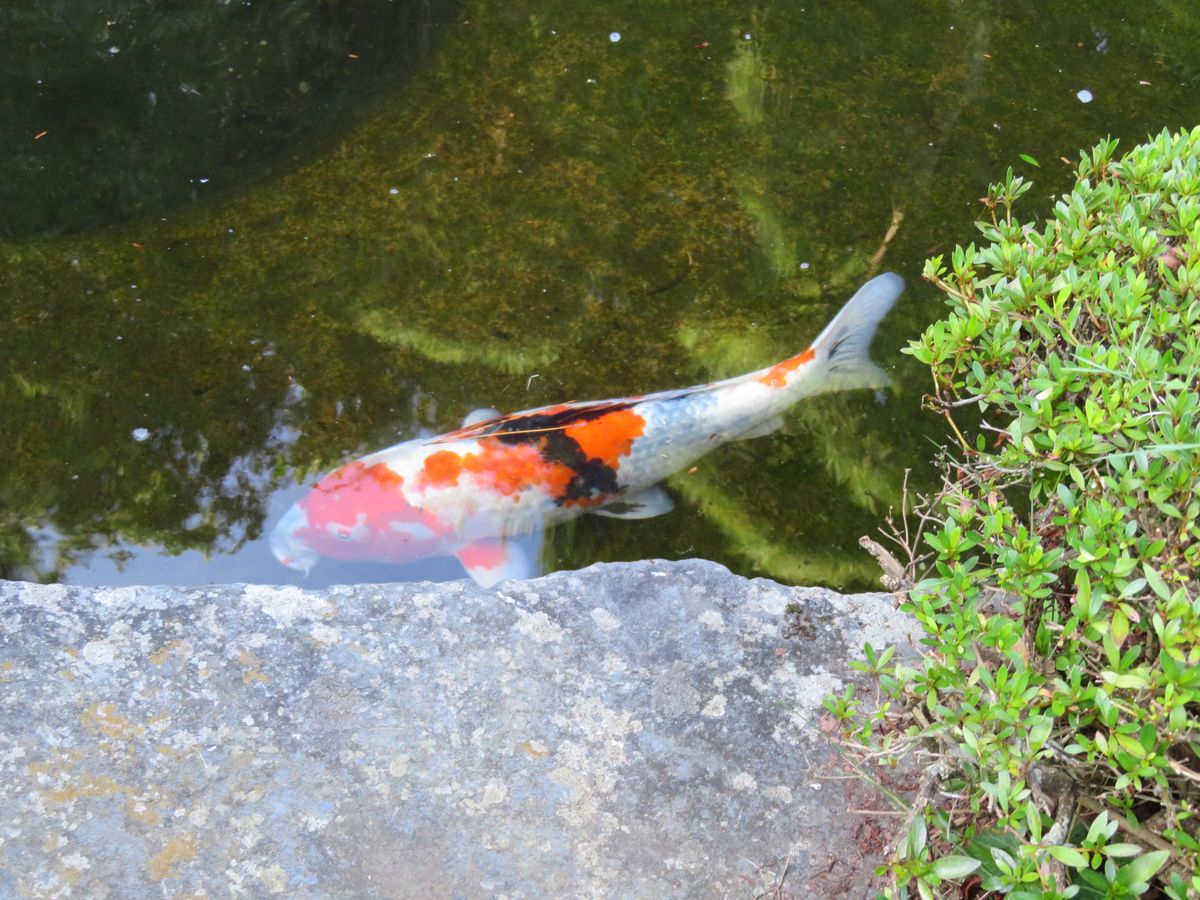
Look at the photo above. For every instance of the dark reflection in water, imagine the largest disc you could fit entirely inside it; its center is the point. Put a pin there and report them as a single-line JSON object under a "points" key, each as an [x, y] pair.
{"points": [[142, 106], [566, 201]]}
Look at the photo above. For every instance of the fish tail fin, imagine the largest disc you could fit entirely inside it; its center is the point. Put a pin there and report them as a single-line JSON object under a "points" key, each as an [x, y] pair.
{"points": [[843, 348]]}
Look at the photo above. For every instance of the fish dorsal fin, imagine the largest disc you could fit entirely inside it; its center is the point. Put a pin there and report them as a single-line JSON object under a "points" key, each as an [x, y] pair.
{"points": [[762, 429], [483, 414], [647, 504], [492, 560]]}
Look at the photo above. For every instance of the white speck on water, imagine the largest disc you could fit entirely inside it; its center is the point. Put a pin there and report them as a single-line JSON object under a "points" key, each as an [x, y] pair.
{"points": [[393, 191], [804, 265], [1085, 96], [114, 50], [746, 36], [202, 180], [614, 36], [591, 81], [140, 434]]}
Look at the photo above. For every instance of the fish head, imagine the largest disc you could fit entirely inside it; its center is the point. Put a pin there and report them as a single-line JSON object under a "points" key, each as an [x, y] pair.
{"points": [[358, 512]]}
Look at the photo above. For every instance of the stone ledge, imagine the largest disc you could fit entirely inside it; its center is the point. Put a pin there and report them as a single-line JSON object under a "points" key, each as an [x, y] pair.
{"points": [[645, 729]]}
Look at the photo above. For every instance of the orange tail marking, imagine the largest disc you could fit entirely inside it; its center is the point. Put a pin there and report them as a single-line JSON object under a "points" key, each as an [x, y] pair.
{"points": [[776, 377]]}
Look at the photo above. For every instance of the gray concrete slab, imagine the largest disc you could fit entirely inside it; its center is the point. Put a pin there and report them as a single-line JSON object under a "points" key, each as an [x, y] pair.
{"points": [[645, 729]]}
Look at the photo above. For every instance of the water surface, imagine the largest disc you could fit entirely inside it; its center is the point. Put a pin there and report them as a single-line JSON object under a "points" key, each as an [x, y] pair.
{"points": [[511, 204]]}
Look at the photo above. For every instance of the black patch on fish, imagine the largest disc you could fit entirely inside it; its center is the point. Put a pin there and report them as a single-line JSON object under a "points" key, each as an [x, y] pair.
{"points": [[593, 479]]}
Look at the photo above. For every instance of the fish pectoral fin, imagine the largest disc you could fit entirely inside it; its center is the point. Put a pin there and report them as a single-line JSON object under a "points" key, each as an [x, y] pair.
{"points": [[762, 429], [483, 414], [647, 504], [492, 560]]}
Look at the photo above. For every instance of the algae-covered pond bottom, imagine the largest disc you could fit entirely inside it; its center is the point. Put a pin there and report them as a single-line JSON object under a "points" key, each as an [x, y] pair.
{"points": [[253, 245]]}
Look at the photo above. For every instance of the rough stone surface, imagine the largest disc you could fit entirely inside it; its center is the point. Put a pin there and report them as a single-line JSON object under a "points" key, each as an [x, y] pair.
{"points": [[631, 730]]}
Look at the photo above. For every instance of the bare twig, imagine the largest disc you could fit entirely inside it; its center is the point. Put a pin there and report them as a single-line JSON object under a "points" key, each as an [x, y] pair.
{"points": [[957, 404], [895, 577], [877, 258], [931, 778], [1059, 796]]}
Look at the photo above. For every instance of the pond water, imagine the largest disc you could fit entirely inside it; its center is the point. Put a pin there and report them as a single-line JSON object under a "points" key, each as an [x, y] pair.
{"points": [[241, 247]]}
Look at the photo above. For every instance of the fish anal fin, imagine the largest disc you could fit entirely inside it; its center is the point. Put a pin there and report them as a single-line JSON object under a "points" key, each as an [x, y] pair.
{"points": [[762, 429], [646, 504], [492, 560]]}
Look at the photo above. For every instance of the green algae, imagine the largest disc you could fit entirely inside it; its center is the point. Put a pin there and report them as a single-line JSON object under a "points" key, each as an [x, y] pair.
{"points": [[611, 217]]}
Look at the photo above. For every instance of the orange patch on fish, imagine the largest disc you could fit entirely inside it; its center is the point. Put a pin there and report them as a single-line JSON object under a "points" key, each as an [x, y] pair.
{"points": [[608, 437], [507, 469], [442, 469], [383, 473], [776, 376], [511, 468], [355, 473]]}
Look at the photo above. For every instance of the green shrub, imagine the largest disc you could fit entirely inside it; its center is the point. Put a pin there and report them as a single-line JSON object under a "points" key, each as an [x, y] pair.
{"points": [[1060, 602]]}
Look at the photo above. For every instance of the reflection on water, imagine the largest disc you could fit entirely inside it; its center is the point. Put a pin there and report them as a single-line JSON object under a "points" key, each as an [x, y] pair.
{"points": [[535, 214], [139, 107], [254, 563]]}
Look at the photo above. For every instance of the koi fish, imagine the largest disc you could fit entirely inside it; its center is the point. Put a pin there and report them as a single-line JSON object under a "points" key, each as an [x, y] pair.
{"points": [[478, 493]]}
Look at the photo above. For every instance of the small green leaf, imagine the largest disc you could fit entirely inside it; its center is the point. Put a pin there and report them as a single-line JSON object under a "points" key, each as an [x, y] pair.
{"points": [[1122, 850], [955, 866], [1156, 581], [1083, 591], [1144, 867], [916, 837], [1068, 856], [1029, 159]]}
